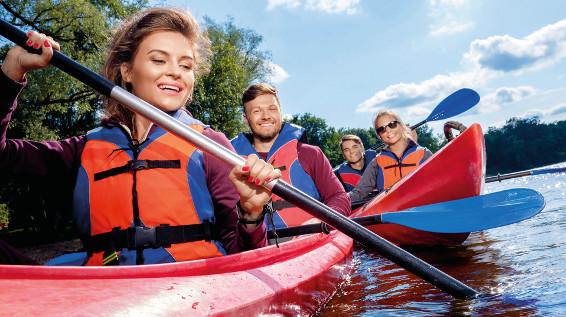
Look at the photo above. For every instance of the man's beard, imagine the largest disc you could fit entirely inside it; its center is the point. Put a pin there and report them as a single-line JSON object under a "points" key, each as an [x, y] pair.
{"points": [[263, 137]]}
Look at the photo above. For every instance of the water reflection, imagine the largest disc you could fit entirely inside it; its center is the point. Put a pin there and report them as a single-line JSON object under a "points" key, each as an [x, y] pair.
{"points": [[382, 287]]}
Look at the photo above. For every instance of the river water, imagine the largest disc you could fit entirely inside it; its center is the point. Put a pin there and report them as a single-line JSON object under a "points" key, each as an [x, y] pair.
{"points": [[519, 269]]}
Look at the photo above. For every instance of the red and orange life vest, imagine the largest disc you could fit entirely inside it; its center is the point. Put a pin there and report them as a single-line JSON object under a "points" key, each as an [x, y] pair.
{"points": [[160, 182], [283, 155]]}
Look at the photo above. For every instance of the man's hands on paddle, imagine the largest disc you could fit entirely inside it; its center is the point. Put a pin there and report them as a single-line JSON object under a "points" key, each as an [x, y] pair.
{"points": [[248, 180], [18, 61]]}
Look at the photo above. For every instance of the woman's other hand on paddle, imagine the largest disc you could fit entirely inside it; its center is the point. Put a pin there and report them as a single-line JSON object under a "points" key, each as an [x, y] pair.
{"points": [[248, 180], [18, 61]]}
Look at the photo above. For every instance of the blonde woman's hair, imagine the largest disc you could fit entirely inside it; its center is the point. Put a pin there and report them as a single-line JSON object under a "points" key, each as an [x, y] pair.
{"points": [[394, 115]]}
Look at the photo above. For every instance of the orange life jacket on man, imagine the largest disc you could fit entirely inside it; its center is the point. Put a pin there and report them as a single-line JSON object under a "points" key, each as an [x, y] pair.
{"points": [[145, 203], [283, 155]]}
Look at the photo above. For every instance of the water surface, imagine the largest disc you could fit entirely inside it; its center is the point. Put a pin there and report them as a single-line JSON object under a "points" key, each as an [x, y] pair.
{"points": [[519, 269]]}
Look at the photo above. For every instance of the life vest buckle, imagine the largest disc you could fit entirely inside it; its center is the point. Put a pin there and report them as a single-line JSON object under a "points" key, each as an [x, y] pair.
{"points": [[138, 164], [145, 237]]}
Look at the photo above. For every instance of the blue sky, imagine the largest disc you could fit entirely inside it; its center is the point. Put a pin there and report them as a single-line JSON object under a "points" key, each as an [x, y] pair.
{"points": [[343, 60]]}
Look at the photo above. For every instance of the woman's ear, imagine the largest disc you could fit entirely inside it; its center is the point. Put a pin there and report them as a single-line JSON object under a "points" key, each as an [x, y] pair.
{"points": [[125, 72]]}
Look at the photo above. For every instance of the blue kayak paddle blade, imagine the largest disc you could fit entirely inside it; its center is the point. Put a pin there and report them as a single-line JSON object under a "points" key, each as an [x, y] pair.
{"points": [[471, 214], [456, 103]]}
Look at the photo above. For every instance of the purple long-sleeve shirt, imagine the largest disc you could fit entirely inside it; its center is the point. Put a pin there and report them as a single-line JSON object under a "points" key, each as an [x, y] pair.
{"points": [[60, 160]]}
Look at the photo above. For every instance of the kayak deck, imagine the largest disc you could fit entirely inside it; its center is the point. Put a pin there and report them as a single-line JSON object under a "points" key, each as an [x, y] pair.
{"points": [[291, 280]]}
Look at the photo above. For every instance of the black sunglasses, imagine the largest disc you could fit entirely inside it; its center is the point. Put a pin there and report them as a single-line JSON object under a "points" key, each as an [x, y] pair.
{"points": [[392, 125]]}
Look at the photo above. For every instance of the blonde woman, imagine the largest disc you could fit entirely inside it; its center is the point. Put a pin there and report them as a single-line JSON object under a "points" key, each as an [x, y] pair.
{"points": [[400, 157]]}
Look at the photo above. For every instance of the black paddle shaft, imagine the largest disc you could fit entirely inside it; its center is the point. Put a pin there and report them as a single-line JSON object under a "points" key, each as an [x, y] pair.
{"points": [[321, 227], [280, 188]]}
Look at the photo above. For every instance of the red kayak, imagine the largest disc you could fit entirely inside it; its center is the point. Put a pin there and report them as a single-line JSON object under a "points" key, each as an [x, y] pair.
{"points": [[297, 278], [454, 172]]}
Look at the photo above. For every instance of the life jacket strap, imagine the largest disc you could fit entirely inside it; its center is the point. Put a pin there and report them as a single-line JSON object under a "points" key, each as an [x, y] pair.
{"points": [[145, 237], [400, 165], [134, 165]]}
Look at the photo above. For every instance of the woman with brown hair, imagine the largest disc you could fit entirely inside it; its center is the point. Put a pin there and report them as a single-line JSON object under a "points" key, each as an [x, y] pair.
{"points": [[141, 194]]}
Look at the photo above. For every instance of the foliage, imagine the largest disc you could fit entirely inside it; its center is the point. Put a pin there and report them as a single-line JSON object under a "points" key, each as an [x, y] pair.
{"points": [[236, 62], [54, 105], [523, 144], [4, 216], [427, 139], [320, 134]]}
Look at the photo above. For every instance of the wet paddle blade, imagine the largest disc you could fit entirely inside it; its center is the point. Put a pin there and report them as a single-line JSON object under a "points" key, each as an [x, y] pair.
{"points": [[472, 214]]}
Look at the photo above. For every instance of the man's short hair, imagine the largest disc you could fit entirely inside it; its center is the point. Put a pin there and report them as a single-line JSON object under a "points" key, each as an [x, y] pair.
{"points": [[351, 137], [255, 90]]}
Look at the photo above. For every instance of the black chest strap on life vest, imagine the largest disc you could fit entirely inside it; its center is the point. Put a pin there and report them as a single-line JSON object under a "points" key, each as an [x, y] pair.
{"points": [[134, 165], [145, 237], [400, 165]]}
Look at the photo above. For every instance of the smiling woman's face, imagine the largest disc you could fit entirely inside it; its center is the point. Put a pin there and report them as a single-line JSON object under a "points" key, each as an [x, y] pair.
{"points": [[391, 131], [162, 70]]}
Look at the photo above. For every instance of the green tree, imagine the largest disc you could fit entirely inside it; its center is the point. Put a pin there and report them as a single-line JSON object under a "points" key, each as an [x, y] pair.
{"points": [[320, 134], [368, 136], [236, 62], [524, 144], [54, 105], [427, 139]]}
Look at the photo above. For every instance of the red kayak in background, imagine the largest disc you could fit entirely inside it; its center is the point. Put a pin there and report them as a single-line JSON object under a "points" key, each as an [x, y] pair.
{"points": [[456, 171], [296, 278]]}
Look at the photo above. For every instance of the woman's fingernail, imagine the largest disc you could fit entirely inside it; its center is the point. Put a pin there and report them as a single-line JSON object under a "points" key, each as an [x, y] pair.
{"points": [[257, 181], [29, 43], [36, 46], [267, 179], [250, 179], [46, 44], [245, 168], [29, 33]]}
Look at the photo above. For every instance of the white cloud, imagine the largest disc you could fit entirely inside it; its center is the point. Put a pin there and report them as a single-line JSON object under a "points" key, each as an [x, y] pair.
{"points": [[541, 113], [278, 74], [287, 117], [454, 3], [290, 4], [505, 53], [492, 102], [418, 111], [452, 28], [449, 17], [327, 6], [488, 56], [426, 92]]}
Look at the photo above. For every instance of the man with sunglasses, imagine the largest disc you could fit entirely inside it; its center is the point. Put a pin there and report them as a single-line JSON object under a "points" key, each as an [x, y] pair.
{"points": [[357, 159], [283, 145], [401, 156]]}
